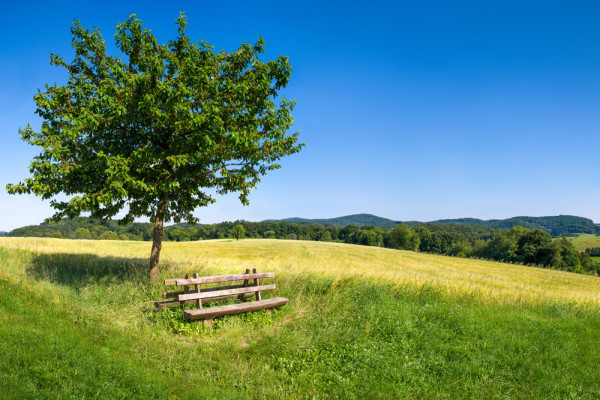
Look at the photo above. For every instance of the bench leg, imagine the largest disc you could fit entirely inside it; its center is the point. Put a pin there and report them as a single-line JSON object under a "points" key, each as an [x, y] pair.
{"points": [[208, 322], [199, 301], [256, 283], [242, 296]]}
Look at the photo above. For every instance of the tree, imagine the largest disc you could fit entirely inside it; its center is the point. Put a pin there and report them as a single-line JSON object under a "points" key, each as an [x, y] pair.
{"points": [[504, 245], [151, 131], [326, 236], [238, 231], [533, 247], [180, 235], [82, 233], [109, 235], [402, 237]]}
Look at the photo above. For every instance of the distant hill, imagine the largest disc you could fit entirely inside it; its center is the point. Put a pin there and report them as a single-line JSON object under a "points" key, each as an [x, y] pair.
{"points": [[562, 225], [355, 219], [555, 225]]}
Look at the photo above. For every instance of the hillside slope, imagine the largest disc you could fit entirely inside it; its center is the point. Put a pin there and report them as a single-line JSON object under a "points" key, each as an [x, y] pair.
{"points": [[362, 322], [490, 280]]}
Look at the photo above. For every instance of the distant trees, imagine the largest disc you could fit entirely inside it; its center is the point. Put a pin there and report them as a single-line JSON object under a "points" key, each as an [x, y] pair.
{"points": [[83, 233], [238, 232], [179, 235], [108, 235], [326, 236], [403, 238], [588, 264], [531, 247], [448, 243], [593, 251]]}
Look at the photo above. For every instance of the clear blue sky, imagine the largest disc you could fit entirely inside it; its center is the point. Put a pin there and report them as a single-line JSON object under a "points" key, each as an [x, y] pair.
{"points": [[409, 110]]}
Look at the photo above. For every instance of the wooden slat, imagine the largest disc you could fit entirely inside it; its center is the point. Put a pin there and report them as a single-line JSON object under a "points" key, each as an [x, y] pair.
{"points": [[171, 282], [170, 295], [218, 278], [211, 312], [172, 303], [226, 292]]}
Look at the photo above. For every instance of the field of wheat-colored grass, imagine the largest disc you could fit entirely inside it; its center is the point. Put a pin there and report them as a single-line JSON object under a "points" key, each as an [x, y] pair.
{"points": [[482, 280]]}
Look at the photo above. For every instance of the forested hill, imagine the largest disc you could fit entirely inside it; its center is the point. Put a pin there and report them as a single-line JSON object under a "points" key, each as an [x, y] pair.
{"points": [[355, 219], [562, 225], [556, 226]]}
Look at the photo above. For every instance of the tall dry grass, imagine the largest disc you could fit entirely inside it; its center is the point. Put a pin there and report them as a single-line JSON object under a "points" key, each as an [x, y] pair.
{"points": [[482, 280]]}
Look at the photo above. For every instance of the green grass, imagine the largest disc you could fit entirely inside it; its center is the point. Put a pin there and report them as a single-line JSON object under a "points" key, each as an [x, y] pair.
{"points": [[83, 326], [585, 241]]}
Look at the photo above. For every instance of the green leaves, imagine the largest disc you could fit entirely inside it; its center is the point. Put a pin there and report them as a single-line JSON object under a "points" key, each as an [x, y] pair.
{"points": [[159, 121]]}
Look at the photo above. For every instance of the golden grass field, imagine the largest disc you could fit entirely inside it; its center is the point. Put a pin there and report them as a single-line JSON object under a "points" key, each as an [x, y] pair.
{"points": [[482, 280]]}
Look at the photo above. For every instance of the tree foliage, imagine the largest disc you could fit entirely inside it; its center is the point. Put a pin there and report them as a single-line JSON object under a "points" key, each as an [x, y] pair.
{"points": [[156, 130], [83, 233], [404, 238], [109, 235], [238, 232]]}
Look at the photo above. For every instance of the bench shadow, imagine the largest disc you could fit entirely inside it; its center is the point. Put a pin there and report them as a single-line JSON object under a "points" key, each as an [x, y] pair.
{"points": [[80, 270]]}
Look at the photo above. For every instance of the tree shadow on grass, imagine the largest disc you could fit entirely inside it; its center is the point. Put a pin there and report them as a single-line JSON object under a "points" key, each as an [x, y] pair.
{"points": [[80, 270]]}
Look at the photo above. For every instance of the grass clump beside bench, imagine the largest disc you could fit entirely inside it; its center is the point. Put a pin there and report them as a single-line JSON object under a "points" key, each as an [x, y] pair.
{"points": [[192, 293]]}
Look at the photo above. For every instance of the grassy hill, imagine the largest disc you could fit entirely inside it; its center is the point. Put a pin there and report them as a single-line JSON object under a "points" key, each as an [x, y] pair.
{"points": [[585, 241], [77, 321]]}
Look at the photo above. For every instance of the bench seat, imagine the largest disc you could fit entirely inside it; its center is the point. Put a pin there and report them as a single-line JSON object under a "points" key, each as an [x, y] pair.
{"points": [[211, 312]]}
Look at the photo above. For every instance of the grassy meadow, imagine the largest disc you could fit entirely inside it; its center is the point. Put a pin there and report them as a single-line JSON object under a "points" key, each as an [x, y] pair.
{"points": [[78, 321], [585, 241]]}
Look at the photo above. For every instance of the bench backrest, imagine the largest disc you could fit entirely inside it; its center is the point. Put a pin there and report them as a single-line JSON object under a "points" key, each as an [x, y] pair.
{"points": [[203, 295], [219, 278]]}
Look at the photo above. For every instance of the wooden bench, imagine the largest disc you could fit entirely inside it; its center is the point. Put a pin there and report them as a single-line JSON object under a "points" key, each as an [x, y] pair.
{"points": [[192, 293]]}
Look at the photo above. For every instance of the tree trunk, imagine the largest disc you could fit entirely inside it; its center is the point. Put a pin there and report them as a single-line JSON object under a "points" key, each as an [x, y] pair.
{"points": [[157, 239]]}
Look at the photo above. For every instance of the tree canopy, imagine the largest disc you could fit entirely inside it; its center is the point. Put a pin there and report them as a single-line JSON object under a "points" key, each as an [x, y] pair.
{"points": [[153, 131]]}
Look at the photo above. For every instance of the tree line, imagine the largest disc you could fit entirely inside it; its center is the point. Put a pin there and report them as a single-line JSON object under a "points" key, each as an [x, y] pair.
{"points": [[515, 245]]}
